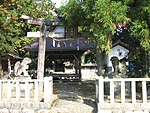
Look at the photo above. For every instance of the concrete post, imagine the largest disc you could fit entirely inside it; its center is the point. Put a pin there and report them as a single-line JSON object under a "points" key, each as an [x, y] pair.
{"points": [[48, 89]]}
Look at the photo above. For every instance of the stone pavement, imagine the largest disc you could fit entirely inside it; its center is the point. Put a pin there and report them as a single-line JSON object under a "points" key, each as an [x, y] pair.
{"points": [[74, 97]]}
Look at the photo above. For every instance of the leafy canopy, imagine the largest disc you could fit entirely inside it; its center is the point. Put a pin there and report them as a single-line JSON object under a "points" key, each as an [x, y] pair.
{"points": [[103, 18], [98, 17], [13, 28]]}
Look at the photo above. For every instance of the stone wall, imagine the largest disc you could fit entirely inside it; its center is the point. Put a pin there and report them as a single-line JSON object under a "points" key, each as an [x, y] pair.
{"points": [[5, 110]]}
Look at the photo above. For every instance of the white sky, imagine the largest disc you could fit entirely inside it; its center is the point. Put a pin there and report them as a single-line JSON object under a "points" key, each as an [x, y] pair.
{"points": [[59, 2]]}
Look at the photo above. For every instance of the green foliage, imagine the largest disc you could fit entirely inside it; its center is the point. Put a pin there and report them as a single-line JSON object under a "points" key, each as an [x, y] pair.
{"points": [[106, 14], [139, 13], [37, 9], [72, 13], [13, 28], [100, 17]]}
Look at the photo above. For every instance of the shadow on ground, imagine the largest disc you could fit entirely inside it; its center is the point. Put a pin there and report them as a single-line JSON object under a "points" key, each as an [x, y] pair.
{"points": [[82, 92]]}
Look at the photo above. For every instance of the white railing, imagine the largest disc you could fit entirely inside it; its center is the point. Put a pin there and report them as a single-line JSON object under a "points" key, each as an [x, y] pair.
{"points": [[136, 99], [26, 93]]}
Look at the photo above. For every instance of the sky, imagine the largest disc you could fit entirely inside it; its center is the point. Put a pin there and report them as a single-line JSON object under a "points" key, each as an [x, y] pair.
{"points": [[59, 2]]}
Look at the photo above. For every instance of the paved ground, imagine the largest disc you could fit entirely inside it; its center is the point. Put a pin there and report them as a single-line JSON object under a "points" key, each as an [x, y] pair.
{"points": [[74, 97]]}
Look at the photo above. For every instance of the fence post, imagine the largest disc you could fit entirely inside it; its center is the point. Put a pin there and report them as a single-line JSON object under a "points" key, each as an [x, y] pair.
{"points": [[9, 91], [101, 90], [144, 91], [111, 91], [36, 91], [48, 89], [133, 92], [97, 90], [27, 91], [0, 91], [122, 91], [17, 91]]}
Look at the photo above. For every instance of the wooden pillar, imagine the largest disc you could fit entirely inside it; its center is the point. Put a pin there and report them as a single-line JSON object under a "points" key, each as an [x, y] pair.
{"points": [[79, 59], [9, 67], [75, 62], [42, 46], [41, 59], [78, 65], [41, 53], [76, 72], [1, 70]]}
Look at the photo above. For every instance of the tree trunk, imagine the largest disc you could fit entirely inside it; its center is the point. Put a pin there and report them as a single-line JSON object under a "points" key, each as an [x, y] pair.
{"points": [[100, 61], [148, 64], [1, 70]]}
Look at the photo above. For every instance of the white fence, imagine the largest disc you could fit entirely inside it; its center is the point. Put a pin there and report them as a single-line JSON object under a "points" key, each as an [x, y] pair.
{"points": [[26, 94], [123, 95]]}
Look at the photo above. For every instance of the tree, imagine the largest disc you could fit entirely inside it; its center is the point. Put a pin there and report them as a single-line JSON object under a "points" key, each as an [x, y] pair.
{"points": [[13, 29], [100, 18], [72, 13], [139, 13]]}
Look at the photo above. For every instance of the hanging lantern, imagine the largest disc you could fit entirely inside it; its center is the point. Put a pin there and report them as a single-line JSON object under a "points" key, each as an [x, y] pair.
{"points": [[58, 45], [83, 43], [70, 44]]}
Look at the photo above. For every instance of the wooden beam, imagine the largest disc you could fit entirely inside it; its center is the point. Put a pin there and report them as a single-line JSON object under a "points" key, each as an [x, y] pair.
{"points": [[26, 17], [35, 22], [33, 34], [41, 58], [41, 53], [78, 38], [80, 66], [55, 34], [39, 21]]}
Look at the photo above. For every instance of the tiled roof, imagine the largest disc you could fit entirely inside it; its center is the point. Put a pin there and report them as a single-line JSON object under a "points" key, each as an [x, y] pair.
{"points": [[9, 56], [119, 42]]}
